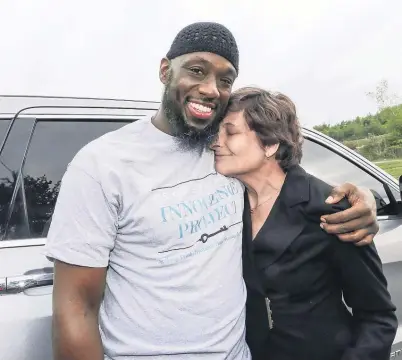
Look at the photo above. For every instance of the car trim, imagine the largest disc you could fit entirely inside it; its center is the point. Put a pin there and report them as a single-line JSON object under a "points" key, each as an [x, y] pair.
{"points": [[7, 244], [389, 217]]}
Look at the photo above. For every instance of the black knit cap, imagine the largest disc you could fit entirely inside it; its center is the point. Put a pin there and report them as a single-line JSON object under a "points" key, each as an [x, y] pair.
{"points": [[206, 37]]}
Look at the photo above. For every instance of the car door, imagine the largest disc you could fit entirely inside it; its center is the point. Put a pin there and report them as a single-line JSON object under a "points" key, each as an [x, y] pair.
{"points": [[32, 162], [335, 164]]}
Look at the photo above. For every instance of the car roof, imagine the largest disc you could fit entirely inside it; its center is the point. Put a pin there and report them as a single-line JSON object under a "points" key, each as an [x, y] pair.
{"points": [[80, 108]]}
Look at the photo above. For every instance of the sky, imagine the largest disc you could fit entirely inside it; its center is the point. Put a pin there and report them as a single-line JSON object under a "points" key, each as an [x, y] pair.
{"points": [[325, 54]]}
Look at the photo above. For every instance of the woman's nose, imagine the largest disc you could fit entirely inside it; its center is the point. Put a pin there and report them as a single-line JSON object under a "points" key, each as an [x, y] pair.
{"points": [[215, 142]]}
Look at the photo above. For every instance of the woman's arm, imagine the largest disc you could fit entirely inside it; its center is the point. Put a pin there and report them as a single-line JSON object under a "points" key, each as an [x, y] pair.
{"points": [[364, 285], [365, 292]]}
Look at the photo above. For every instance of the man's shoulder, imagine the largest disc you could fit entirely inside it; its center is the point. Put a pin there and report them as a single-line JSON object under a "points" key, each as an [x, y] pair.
{"points": [[129, 133], [107, 147]]}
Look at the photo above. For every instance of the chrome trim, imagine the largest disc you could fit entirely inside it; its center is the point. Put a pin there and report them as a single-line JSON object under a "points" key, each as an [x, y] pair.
{"points": [[18, 284], [24, 203], [30, 96], [389, 217], [79, 116], [7, 244]]}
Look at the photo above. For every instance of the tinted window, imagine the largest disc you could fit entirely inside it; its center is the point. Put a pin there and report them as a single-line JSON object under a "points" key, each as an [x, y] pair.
{"points": [[335, 170], [53, 145], [10, 162], [3, 127]]}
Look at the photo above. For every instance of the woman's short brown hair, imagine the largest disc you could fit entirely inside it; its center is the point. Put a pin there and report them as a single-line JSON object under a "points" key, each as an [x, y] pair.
{"points": [[273, 117]]}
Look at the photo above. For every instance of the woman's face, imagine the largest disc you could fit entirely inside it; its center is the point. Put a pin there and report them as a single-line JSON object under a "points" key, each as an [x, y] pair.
{"points": [[238, 151]]}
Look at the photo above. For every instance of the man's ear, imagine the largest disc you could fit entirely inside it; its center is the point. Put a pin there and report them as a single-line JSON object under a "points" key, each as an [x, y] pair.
{"points": [[164, 70]]}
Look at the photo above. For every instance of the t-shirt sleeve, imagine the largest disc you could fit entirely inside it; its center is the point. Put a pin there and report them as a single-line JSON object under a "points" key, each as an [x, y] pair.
{"points": [[85, 221]]}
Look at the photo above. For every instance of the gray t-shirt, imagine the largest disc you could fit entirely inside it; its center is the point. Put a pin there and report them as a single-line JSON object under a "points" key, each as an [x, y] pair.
{"points": [[169, 228]]}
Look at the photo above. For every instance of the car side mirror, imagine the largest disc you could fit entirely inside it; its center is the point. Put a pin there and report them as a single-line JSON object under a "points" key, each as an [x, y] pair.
{"points": [[380, 203]]}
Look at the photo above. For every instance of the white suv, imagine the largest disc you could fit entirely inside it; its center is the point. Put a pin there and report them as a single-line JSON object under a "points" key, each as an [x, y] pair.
{"points": [[36, 145]]}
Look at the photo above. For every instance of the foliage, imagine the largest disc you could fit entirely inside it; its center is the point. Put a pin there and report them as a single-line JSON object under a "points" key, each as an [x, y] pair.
{"points": [[392, 167], [40, 196], [378, 136]]}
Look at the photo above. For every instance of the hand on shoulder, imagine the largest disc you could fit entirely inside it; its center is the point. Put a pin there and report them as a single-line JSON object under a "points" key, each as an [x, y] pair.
{"points": [[356, 224]]}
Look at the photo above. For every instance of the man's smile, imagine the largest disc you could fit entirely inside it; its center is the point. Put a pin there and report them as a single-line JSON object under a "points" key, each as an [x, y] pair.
{"points": [[201, 111]]}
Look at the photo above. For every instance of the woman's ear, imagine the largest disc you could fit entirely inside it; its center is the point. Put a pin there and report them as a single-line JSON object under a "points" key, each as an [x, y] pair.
{"points": [[271, 150], [164, 71]]}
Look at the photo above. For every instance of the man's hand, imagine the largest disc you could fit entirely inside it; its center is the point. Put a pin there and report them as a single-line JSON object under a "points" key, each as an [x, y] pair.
{"points": [[358, 223]]}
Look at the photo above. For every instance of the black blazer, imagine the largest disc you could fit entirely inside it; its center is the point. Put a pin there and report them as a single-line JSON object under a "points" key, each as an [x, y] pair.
{"points": [[304, 271]]}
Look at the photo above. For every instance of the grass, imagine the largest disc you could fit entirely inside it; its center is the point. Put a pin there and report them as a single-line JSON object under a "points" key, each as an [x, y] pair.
{"points": [[392, 167], [363, 142]]}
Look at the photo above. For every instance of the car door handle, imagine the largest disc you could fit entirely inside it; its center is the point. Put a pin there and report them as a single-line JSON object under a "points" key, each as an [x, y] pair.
{"points": [[18, 284]]}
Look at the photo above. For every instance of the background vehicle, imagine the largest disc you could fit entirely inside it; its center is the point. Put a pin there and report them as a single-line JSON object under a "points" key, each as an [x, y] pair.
{"points": [[36, 145]]}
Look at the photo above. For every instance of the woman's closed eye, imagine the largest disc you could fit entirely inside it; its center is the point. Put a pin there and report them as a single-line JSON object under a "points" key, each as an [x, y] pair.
{"points": [[232, 132]]}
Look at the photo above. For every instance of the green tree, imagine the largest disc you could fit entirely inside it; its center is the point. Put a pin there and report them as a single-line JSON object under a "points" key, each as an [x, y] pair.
{"points": [[375, 136], [39, 194]]}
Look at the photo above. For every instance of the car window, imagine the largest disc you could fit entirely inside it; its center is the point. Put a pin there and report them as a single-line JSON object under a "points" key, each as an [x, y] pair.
{"points": [[334, 169], [52, 147], [3, 127], [10, 161]]}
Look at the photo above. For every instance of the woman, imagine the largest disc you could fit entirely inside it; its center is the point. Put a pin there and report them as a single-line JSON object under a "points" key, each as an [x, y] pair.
{"points": [[296, 273]]}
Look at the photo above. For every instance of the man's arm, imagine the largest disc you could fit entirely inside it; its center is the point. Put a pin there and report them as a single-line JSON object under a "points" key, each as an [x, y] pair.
{"points": [[357, 224], [81, 236], [77, 296]]}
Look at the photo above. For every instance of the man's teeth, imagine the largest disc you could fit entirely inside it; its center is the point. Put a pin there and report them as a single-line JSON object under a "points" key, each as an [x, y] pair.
{"points": [[201, 108]]}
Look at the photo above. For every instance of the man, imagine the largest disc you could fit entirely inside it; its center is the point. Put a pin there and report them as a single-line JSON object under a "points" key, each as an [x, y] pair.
{"points": [[146, 236]]}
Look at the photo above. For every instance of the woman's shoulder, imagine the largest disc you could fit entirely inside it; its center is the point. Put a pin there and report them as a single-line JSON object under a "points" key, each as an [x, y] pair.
{"points": [[319, 191]]}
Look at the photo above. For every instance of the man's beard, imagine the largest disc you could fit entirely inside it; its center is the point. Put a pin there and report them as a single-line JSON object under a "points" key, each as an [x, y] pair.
{"points": [[187, 137]]}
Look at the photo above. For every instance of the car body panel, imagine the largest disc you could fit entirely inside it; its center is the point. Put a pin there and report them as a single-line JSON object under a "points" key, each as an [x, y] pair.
{"points": [[25, 325]]}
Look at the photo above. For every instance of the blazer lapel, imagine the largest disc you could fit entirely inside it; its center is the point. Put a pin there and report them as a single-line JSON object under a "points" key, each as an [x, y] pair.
{"points": [[286, 220], [250, 272], [278, 233]]}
